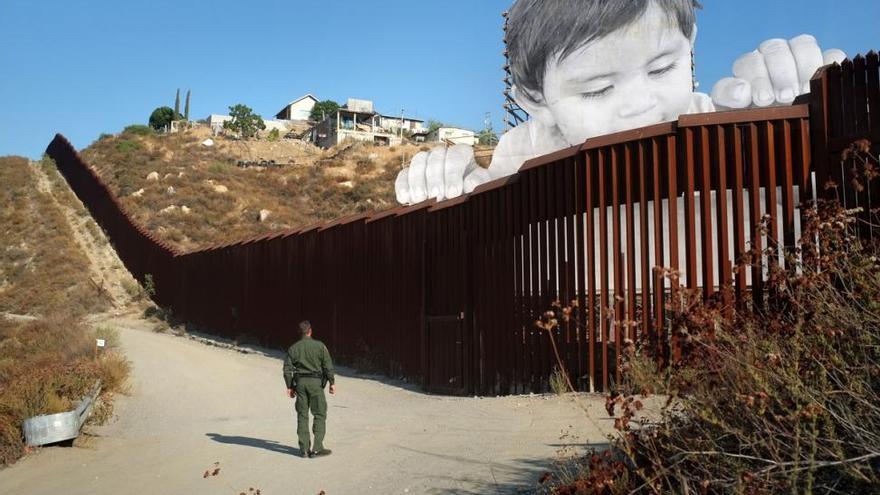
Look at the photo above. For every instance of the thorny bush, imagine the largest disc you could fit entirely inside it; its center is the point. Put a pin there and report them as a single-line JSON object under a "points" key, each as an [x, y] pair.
{"points": [[775, 395]]}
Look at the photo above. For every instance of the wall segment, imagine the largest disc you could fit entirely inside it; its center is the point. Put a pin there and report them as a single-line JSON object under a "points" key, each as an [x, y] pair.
{"points": [[447, 293]]}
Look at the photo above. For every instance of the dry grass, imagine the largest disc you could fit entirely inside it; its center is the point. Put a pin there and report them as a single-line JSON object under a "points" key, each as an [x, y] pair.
{"points": [[45, 366], [41, 267], [310, 186]]}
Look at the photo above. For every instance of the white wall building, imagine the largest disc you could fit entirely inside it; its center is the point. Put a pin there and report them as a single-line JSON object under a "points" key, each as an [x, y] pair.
{"points": [[394, 122], [356, 121], [281, 125], [298, 109], [453, 135], [215, 122]]}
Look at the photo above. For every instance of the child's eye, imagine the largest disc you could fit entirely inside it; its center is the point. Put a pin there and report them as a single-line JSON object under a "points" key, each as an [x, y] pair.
{"points": [[664, 70], [597, 94]]}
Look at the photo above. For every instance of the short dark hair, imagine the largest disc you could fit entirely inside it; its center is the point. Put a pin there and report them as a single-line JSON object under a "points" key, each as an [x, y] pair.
{"points": [[305, 327], [539, 30]]}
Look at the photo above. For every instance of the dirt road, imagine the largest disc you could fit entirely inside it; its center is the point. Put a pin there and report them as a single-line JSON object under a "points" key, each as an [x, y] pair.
{"points": [[192, 405]]}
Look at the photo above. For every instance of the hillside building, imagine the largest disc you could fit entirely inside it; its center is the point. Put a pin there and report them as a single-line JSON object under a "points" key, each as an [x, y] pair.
{"points": [[410, 125], [356, 120], [453, 135], [215, 122], [298, 109]]}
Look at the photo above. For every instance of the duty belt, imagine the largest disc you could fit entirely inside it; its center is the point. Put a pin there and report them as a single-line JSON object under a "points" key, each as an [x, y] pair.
{"points": [[309, 374]]}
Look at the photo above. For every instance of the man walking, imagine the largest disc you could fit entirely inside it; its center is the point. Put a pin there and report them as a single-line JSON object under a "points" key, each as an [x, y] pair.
{"points": [[307, 368]]}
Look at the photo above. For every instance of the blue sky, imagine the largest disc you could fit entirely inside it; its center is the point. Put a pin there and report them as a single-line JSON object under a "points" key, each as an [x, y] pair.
{"points": [[92, 66]]}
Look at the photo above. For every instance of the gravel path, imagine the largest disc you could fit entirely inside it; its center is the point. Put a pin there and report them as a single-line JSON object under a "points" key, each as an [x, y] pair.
{"points": [[192, 405]]}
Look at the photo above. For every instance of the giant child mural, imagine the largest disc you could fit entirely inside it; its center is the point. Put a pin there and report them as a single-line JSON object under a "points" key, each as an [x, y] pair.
{"points": [[584, 68]]}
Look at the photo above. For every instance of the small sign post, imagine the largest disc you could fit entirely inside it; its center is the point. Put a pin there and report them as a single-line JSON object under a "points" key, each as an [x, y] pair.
{"points": [[99, 343]]}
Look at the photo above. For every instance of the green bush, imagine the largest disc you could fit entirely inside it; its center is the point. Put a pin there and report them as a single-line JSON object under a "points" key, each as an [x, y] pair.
{"points": [[149, 285], [138, 130], [220, 168], [127, 146], [244, 121], [323, 109], [274, 135]]}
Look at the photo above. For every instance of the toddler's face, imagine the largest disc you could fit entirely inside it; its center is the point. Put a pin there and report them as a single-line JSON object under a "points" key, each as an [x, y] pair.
{"points": [[633, 77]]}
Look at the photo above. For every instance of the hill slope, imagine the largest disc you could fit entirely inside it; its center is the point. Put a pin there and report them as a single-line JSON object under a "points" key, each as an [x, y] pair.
{"points": [[199, 196], [53, 257], [56, 267]]}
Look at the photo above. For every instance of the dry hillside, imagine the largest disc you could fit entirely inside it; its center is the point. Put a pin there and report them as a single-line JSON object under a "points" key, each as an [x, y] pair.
{"points": [[56, 267], [44, 267], [200, 196]]}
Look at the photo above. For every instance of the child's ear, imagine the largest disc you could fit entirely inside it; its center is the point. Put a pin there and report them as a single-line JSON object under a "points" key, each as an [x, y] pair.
{"points": [[533, 105]]}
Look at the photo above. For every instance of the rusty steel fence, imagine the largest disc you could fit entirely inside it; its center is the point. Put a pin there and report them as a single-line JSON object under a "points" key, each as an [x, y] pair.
{"points": [[845, 103], [447, 294]]}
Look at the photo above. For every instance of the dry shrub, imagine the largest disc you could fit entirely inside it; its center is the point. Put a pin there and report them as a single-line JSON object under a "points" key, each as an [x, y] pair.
{"points": [[778, 396], [559, 381], [45, 270], [113, 369], [45, 366]]}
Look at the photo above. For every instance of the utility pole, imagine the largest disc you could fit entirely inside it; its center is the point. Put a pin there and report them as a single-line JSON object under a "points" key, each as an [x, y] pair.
{"points": [[401, 123], [488, 131]]}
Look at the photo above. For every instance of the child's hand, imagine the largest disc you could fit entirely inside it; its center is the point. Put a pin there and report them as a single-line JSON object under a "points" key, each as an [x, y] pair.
{"points": [[776, 72], [442, 173]]}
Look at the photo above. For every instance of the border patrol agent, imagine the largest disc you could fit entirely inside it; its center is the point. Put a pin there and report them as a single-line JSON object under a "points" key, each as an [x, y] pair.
{"points": [[307, 368]]}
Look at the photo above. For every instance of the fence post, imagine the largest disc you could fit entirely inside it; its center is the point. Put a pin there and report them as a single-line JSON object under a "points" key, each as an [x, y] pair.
{"points": [[820, 129]]}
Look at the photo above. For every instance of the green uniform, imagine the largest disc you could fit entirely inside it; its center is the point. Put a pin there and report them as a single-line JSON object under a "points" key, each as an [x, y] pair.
{"points": [[306, 367]]}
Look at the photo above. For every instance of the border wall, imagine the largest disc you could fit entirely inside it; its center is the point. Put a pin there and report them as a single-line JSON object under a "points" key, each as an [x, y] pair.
{"points": [[446, 294]]}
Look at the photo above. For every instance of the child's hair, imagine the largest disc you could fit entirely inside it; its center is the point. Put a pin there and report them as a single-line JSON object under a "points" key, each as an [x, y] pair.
{"points": [[539, 30]]}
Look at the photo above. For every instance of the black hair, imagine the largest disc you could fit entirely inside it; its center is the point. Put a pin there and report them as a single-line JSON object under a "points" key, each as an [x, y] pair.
{"points": [[539, 30], [304, 327]]}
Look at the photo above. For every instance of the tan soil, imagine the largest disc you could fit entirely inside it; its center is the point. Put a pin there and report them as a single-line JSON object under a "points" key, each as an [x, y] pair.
{"points": [[192, 405]]}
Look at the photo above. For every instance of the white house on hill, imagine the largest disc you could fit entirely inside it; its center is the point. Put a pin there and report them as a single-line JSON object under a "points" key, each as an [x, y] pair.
{"points": [[453, 135], [298, 109], [215, 122]]}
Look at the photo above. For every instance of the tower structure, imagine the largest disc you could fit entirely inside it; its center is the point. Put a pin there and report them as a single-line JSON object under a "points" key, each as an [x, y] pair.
{"points": [[513, 114]]}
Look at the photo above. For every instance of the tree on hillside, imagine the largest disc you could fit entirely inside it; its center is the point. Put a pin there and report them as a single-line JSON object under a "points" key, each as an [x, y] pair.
{"points": [[186, 107], [244, 121], [433, 125], [177, 105], [323, 109], [161, 117], [487, 136]]}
